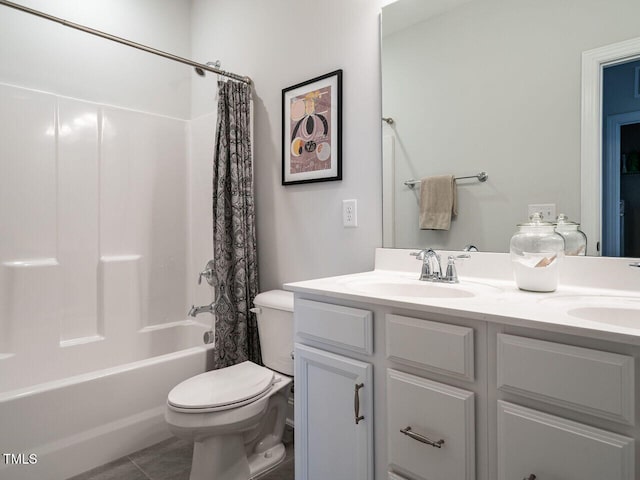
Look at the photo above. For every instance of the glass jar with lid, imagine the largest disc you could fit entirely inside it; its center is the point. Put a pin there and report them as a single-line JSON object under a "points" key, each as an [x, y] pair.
{"points": [[575, 241], [536, 251]]}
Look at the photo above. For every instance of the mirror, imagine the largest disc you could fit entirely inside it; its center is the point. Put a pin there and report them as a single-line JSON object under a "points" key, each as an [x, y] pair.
{"points": [[488, 86]]}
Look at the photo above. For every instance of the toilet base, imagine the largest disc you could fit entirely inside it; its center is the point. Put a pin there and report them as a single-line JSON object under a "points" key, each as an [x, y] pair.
{"points": [[262, 463], [223, 458], [220, 458]]}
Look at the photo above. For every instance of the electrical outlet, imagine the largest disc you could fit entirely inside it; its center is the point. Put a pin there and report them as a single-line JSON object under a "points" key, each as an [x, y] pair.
{"points": [[548, 211], [350, 213]]}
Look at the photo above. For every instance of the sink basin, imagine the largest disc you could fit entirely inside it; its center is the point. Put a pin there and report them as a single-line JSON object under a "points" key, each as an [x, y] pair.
{"points": [[401, 287], [595, 301], [620, 311], [621, 317], [411, 289]]}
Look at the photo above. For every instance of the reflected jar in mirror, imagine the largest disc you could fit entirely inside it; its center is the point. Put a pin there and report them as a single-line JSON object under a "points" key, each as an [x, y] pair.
{"points": [[536, 252], [575, 241]]}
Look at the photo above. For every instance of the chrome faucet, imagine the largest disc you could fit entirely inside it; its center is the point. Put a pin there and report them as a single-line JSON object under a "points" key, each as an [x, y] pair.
{"points": [[203, 309], [208, 273], [432, 269], [209, 276]]}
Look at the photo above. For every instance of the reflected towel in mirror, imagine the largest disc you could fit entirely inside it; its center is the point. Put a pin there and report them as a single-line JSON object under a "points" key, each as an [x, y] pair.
{"points": [[438, 202]]}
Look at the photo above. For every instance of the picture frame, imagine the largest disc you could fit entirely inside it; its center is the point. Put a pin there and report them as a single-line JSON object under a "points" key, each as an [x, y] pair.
{"points": [[312, 130]]}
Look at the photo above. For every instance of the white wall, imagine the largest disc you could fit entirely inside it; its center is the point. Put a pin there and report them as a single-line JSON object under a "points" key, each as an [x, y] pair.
{"points": [[42, 55], [494, 86], [278, 44]]}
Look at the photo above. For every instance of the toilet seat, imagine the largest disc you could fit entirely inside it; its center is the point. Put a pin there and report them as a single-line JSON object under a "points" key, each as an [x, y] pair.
{"points": [[223, 389]]}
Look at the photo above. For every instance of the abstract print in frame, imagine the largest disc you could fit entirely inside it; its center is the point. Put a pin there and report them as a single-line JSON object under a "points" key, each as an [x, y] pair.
{"points": [[312, 130]]}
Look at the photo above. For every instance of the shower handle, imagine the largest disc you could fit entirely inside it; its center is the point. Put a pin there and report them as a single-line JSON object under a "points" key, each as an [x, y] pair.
{"points": [[207, 273]]}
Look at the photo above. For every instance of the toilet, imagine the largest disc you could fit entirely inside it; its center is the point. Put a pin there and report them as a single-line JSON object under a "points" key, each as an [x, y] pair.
{"points": [[236, 415]]}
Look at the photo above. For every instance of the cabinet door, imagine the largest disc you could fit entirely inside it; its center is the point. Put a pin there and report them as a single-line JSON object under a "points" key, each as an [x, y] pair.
{"points": [[550, 447], [331, 392]]}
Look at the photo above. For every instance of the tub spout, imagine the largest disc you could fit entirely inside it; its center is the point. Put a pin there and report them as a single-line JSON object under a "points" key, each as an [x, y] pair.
{"points": [[203, 309]]}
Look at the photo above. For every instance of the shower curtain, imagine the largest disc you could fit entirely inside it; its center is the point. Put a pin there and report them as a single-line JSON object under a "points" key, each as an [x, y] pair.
{"points": [[234, 233]]}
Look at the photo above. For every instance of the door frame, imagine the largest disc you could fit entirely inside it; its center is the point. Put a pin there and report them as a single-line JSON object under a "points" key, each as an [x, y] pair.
{"points": [[591, 153]]}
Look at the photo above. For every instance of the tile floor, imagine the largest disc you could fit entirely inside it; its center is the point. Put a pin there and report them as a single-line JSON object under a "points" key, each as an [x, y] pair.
{"points": [[171, 460]]}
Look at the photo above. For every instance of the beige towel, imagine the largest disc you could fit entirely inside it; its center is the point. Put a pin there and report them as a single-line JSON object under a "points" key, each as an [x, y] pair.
{"points": [[437, 202]]}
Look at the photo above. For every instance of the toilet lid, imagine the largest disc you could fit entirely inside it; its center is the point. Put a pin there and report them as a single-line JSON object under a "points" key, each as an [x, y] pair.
{"points": [[227, 386]]}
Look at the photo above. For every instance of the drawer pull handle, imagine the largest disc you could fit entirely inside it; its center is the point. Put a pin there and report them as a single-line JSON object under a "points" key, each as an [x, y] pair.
{"points": [[356, 402], [530, 477], [421, 438]]}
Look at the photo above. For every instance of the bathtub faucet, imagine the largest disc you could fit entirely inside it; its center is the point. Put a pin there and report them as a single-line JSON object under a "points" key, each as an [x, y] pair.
{"points": [[203, 309]]}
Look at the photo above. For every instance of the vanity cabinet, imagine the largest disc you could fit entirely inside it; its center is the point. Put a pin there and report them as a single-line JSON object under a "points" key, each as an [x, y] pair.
{"points": [[457, 398], [333, 393]]}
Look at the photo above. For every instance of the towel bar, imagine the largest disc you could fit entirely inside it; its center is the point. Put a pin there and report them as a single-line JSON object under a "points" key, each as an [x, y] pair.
{"points": [[482, 177]]}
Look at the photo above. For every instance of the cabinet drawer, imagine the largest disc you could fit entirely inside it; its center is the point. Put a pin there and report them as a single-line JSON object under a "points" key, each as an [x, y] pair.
{"points": [[535, 443], [589, 381], [430, 409], [434, 346], [343, 327]]}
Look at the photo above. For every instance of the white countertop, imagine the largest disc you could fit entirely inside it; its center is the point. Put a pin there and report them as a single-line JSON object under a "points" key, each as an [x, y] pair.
{"points": [[574, 308]]}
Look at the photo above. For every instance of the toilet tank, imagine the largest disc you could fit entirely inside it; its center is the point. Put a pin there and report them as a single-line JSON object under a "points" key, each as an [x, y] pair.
{"points": [[274, 310]]}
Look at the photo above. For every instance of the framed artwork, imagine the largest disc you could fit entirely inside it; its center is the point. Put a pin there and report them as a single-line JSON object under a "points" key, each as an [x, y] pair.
{"points": [[312, 130]]}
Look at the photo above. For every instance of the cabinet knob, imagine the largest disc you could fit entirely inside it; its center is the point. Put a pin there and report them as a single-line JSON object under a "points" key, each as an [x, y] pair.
{"points": [[421, 438], [530, 477]]}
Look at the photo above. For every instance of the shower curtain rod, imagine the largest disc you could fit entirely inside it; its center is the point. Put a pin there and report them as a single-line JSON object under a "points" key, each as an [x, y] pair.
{"points": [[124, 41]]}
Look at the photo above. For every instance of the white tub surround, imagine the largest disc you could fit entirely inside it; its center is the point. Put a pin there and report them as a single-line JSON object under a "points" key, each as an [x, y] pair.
{"points": [[95, 283], [477, 380]]}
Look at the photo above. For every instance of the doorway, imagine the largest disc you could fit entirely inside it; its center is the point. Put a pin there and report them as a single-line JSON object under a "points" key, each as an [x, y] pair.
{"points": [[621, 160]]}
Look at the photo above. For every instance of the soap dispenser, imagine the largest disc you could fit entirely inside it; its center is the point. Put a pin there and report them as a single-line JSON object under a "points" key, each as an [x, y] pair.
{"points": [[536, 252], [575, 241]]}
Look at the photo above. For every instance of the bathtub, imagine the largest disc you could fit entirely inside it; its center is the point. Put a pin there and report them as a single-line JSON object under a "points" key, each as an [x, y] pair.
{"points": [[67, 422]]}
